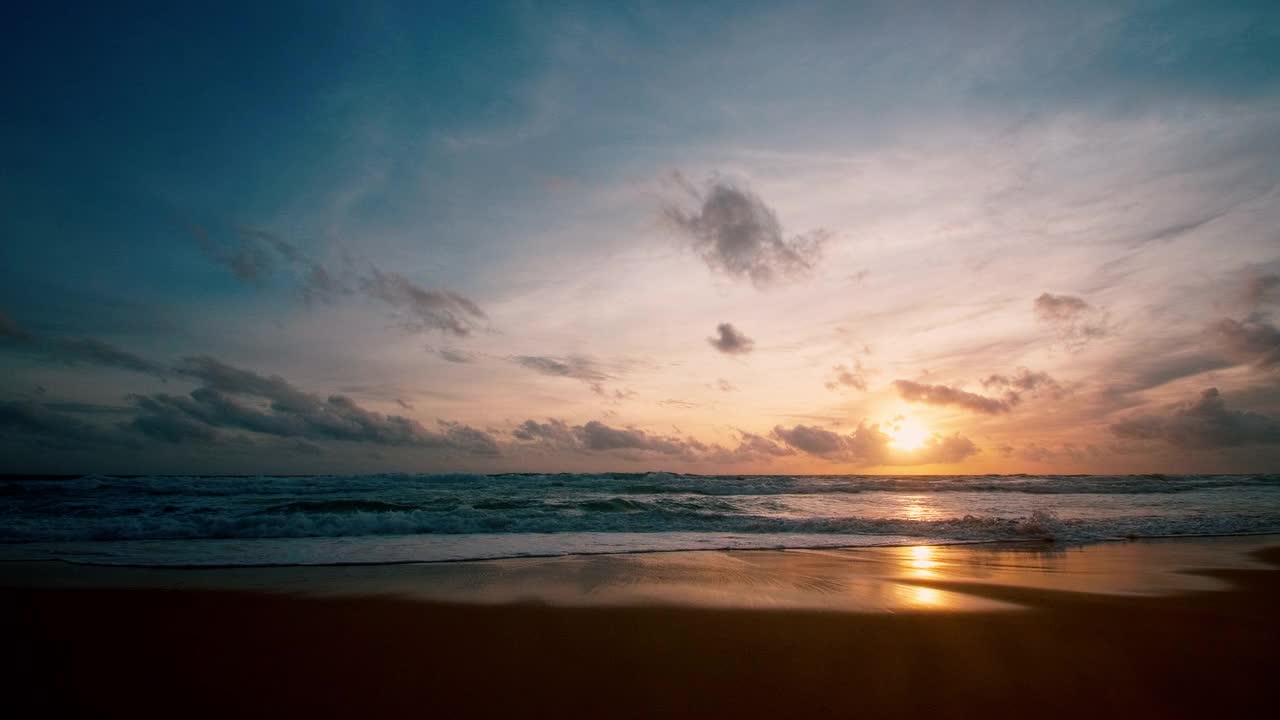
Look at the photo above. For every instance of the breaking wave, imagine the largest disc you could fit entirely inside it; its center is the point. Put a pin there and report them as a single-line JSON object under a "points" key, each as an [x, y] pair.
{"points": [[1067, 509]]}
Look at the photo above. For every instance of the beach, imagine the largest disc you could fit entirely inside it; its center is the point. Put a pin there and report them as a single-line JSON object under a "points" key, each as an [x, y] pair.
{"points": [[1177, 628]]}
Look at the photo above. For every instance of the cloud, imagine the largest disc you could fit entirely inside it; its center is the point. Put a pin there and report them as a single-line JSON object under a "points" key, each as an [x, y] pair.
{"points": [[1253, 340], [1073, 320], [424, 309], [814, 440], [76, 350], [672, 402], [574, 367], [844, 376], [238, 399], [454, 355], [554, 431], [945, 395], [1260, 289], [597, 437], [730, 341], [1024, 381], [724, 385], [96, 352], [1033, 452], [868, 445], [248, 259], [1205, 423], [31, 419], [257, 255], [735, 233]]}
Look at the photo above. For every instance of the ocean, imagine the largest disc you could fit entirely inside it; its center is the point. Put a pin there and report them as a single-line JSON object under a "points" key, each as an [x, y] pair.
{"points": [[401, 518]]}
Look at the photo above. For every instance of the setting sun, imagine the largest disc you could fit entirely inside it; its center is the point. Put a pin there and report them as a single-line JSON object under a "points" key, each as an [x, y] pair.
{"points": [[908, 434]]}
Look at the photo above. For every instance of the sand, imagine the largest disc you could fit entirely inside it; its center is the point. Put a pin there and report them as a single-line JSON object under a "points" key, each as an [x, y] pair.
{"points": [[1037, 652]]}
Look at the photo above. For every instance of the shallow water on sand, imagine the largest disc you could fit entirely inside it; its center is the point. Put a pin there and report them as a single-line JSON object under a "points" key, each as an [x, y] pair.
{"points": [[895, 579]]}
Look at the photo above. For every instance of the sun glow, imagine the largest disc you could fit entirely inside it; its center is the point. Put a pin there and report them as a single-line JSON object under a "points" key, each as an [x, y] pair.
{"points": [[908, 434]]}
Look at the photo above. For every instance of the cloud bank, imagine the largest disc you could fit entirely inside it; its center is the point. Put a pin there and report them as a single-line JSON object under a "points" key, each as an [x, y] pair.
{"points": [[231, 398], [1205, 423], [868, 445]]}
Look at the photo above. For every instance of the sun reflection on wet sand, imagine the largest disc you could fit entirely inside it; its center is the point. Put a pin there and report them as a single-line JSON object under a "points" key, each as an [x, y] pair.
{"points": [[890, 579], [922, 557], [927, 597]]}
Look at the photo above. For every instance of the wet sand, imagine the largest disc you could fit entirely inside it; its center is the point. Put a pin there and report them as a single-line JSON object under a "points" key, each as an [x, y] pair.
{"points": [[1200, 650]]}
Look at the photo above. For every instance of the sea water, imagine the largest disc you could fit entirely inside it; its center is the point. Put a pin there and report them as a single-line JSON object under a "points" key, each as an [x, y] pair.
{"points": [[387, 518]]}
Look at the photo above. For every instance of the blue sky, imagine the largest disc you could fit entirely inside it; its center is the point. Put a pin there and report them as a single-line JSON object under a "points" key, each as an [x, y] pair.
{"points": [[502, 235]]}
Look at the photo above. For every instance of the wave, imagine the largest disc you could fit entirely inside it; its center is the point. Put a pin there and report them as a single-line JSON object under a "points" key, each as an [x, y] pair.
{"points": [[653, 483], [345, 521], [1071, 509]]}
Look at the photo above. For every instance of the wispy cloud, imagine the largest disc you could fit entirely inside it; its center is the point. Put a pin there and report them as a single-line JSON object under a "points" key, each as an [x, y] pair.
{"points": [[1074, 321]]}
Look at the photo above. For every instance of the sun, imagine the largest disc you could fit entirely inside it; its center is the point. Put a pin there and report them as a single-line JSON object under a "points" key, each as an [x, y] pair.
{"points": [[907, 434]]}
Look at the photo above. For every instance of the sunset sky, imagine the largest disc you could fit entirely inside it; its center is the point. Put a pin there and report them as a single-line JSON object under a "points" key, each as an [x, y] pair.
{"points": [[745, 238]]}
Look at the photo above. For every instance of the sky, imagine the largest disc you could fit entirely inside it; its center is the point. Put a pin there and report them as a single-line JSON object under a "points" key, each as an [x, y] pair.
{"points": [[892, 237]]}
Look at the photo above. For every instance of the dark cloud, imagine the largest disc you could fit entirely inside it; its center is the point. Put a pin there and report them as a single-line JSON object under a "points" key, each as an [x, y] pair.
{"points": [[1073, 320], [423, 309], [724, 385], [844, 376], [595, 435], [169, 419], [1254, 341], [814, 440], [1202, 424], [752, 447], [236, 399], [74, 351], [735, 233], [34, 420], [1260, 289], [946, 395], [730, 341], [554, 431], [868, 445], [96, 352]]}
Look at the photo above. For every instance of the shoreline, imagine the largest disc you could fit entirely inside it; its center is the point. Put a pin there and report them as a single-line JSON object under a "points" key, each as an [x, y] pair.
{"points": [[858, 579], [155, 652]]}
